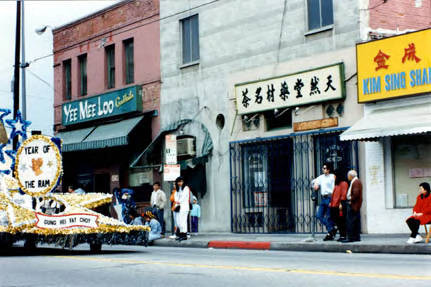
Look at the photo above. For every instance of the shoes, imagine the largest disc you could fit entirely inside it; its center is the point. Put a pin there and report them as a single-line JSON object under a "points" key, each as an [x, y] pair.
{"points": [[411, 240], [173, 237], [189, 236], [328, 237], [347, 241], [341, 238], [418, 239]]}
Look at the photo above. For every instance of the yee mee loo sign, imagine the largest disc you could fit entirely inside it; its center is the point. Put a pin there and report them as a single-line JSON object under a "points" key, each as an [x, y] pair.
{"points": [[394, 67], [102, 106]]}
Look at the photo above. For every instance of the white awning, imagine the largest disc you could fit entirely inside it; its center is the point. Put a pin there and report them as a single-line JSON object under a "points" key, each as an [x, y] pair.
{"points": [[406, 120]]}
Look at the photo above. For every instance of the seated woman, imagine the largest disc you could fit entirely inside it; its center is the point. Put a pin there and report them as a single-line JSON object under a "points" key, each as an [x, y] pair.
{"points": [[156, 228], [421, 213]]}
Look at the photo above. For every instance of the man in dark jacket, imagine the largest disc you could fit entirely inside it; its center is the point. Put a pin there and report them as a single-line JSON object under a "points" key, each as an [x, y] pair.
{"points": [[354, 199]]}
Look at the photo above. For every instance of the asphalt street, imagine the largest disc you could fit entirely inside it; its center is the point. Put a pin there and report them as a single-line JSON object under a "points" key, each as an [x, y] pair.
{"points": [[167, 266]]}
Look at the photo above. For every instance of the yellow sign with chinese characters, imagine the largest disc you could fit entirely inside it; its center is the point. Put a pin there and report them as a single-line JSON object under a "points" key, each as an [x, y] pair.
{"points": [[394, 67]]}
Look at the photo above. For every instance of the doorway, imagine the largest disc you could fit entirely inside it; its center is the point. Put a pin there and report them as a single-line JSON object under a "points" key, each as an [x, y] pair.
{"points": [[102, 183]]}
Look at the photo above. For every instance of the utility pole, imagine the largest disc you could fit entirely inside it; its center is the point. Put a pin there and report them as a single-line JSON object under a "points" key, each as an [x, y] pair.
{"points": [[23, 66], [17, 66]]}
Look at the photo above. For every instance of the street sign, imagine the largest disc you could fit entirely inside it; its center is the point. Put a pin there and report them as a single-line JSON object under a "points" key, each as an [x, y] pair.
{"points": [[171, 149]]}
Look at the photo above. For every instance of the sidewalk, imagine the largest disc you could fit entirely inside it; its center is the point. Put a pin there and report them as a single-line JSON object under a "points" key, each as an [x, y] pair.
{"points": [[370, 243]]}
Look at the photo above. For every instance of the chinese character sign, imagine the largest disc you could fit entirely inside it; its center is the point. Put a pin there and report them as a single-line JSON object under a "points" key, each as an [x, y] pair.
{"points": [[394, 67], [171, 149], [318, 85]]}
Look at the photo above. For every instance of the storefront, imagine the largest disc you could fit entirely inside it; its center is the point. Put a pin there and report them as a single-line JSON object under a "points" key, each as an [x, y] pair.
{"points": [[285, 128], [103, 135], [394, 82], [182, 148]]}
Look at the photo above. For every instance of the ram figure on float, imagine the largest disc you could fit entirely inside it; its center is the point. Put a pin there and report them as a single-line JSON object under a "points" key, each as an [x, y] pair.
{"points": [[30, 211]]}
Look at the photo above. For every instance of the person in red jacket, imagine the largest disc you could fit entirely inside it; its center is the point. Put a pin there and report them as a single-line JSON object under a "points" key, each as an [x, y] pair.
{"points": [[338, 205], [421, 213]]}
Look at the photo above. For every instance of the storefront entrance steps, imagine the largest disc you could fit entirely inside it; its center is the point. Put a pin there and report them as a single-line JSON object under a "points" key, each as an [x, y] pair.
{"points": [[370, 243]]}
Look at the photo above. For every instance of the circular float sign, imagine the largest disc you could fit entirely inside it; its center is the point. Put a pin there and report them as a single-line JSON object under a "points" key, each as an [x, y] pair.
{"points": [[38, 165]]}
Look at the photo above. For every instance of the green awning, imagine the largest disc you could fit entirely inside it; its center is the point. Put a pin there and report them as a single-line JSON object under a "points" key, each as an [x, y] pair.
{"points": [[151, 155], [108, 135], [156, 143], [72, 139]]}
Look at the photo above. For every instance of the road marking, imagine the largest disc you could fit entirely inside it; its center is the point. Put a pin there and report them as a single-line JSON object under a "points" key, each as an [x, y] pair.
{"points": [[249, 268]]}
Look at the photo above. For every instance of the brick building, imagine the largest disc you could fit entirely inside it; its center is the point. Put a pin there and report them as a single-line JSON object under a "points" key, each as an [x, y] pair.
{"points": [[107, 91]]}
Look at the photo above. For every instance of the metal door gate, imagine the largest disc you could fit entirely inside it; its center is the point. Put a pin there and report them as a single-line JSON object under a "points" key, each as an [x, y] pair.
{"points": [[271, 180]]}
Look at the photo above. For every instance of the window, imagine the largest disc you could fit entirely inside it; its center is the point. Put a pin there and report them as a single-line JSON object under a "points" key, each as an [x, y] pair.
{"points": [[67, 79], [83, 74], [255, 176], [320, 14], [129, 65], [279, 119], [411, 160], [190, 39], [110, 66]]}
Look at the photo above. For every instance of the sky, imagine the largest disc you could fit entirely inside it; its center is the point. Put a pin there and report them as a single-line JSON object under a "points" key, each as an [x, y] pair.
{"points": [[39, 76]]}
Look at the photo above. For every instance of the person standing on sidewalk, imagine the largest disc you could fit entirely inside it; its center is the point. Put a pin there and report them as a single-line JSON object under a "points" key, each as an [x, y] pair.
{"points": [[174, 214], [421, 213], [326, 184], [195, 214], [158, 202], [338, 204], [354, 200], [182, 208]]}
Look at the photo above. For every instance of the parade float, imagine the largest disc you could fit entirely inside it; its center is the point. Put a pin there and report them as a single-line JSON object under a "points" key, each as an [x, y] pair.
{"points": [[32, 210]]}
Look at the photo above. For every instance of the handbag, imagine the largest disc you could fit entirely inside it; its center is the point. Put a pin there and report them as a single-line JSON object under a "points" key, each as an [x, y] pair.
{"points": [[190, 201], [177, 208]]}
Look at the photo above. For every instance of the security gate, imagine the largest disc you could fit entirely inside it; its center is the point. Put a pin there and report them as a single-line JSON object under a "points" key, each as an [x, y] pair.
{"points": [[271, 180]]}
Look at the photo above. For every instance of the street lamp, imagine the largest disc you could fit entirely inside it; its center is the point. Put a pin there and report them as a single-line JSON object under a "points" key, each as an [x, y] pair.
{"points": [[42, 30]]}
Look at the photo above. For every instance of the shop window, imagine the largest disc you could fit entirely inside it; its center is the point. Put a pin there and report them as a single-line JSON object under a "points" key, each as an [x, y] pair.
{"points": [[343, 155], [129, 61], [320, 14], [411, 161], [110, 66], [190, 39], [67, 80], [255, 176], [277, 119], [83, 74]]}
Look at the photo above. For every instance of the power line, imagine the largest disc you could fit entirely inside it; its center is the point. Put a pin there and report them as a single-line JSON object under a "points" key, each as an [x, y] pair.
{"points": [[40, 79], [124, 31]]}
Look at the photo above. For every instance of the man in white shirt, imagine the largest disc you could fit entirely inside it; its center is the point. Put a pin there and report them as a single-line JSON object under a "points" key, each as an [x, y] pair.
{"points": [[326, 184], [158, 202]]}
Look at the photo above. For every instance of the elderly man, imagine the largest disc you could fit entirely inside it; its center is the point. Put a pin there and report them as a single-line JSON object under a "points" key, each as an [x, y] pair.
{"points": [[354, 199]]}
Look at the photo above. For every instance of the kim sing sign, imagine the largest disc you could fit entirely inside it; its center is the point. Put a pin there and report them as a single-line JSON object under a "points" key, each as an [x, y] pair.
{"points": [[103, 106], [394, 67]]}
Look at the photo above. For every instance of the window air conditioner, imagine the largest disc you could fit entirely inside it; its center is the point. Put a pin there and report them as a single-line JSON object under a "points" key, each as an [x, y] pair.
{"points": [[186, 146]]}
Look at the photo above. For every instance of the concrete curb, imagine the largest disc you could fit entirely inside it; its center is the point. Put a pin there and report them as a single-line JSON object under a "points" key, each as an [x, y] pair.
{"points": [[357, 247], [352, 248]]}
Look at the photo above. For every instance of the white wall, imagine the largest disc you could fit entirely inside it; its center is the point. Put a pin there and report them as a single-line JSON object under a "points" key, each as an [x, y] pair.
{"points": [[382, 217], [235, 36]]}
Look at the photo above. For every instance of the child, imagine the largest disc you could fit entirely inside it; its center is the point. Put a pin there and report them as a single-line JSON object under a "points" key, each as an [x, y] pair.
{"points": [[135, 219], [156, 228], [195, 214]]}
